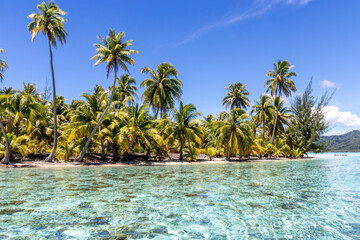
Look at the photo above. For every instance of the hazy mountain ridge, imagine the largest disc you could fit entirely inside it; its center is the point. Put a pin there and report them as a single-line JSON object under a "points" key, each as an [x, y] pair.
{"points": [[348, 142]]}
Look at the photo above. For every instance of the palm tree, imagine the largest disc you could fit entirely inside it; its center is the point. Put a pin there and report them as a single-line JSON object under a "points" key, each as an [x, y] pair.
{"points": [[139, 129], [234, 133], [263, 111], [6, 159], [86, 114], [126, 88], [237, 96], [184, 128], [115, 53], [50, 22], [280, 83], [162, 88], [284, 115]]}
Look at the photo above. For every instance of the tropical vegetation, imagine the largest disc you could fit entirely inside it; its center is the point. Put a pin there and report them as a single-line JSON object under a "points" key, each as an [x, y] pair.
{"points": [[113, 123]]}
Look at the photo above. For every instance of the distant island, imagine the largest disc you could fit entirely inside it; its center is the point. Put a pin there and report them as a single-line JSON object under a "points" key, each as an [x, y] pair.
{"points": [[348, 142]]}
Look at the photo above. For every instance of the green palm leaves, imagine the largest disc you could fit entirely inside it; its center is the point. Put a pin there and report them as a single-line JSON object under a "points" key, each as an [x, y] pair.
{"points": [[234, 133], [263, 110], [115, 53], [162, 89], [185, 128], [280, 82], [50, 22], [237, 96], [3, 66]]}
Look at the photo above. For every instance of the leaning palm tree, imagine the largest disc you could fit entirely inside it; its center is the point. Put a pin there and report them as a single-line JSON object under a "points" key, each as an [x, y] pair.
{"points": [[115, 53], [185, 128], [50, 22], [162, 88], [237, 96], [6, 159], [262, 111], [280, 83]]}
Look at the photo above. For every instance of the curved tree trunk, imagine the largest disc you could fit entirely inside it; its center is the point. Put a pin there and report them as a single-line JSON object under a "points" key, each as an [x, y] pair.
{"points": [[51, 156], [80, 158], [6, 159]]}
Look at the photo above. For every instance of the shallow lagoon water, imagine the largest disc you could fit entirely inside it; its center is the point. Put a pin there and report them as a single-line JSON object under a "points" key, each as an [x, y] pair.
{"points": [[308, 199]]}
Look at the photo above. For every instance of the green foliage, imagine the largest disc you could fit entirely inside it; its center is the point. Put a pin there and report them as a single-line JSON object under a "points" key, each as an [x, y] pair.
{"points": [[162, 89], [349, 142], [237, 96], [309, 121]]}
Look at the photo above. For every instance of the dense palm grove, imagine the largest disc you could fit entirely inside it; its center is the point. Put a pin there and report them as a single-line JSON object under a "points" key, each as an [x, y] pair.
{"points": [[113, 123]]}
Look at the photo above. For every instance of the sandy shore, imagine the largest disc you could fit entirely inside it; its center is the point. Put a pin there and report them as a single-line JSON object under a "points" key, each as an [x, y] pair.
{"points": [[42, 164]]}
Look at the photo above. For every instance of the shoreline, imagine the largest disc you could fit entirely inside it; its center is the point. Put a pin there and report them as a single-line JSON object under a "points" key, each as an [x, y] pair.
{"points": [[42, 164]]}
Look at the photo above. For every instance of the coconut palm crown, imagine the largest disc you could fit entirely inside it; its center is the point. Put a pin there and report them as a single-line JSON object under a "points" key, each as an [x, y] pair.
{"points": [[237, 96], [162, 89], [280, 83], [114, 51], [50, 22]]}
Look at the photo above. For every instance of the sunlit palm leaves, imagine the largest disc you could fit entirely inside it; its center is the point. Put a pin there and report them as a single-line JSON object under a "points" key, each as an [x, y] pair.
{"points": [[114, 51], [237, 96], [50, 22], [185, 128], [162, 89], [234, 133]]}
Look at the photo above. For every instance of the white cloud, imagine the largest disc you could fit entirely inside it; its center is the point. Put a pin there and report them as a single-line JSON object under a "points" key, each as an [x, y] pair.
{"points": [[298, 2], [328, 84], [333, 116], [259, 7]]}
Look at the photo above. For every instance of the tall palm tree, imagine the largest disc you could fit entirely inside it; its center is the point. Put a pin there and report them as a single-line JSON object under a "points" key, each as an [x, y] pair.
{"points": [[3, 66], [185, 128], [237, 96], [162, 88], [263, 109], [280, 83], [116, 54], [50, 22], [235, 133]]}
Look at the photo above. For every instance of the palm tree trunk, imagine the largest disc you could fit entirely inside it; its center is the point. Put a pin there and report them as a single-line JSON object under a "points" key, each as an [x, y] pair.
{"points": [[181, 151], [51, 156], [80, 158], [156, 113], [263, 133], [115, 152], [147, 154], [273, 133], [6, 159], [102, 149]]}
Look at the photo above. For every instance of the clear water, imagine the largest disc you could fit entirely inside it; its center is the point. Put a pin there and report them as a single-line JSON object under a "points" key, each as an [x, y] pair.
{"points": [[307, 199]]}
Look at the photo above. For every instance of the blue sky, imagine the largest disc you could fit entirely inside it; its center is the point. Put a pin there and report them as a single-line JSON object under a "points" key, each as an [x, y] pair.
{"points": [[213, 43]]}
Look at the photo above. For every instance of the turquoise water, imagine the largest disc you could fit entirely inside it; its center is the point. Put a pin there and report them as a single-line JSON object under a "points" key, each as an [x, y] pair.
{"points": [[308, 199]]}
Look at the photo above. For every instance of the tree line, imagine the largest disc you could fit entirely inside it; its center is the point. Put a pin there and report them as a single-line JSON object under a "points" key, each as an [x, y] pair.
{"points": [[111, 121]]}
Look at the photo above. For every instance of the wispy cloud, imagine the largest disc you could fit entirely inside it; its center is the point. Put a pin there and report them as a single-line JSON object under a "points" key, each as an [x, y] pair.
{"points": [[258, 8], [327, 84], [334, 116]]}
